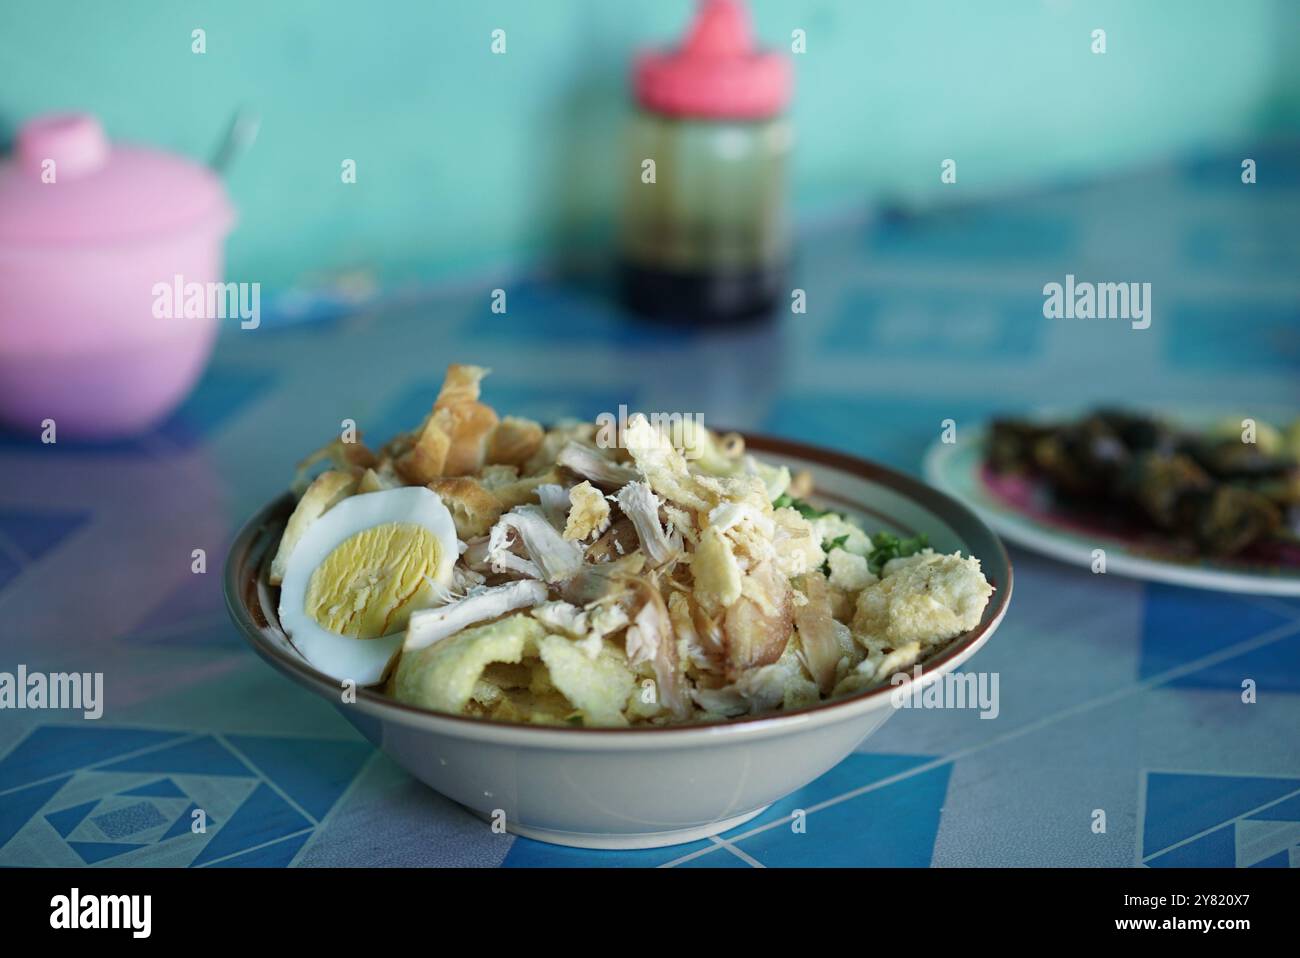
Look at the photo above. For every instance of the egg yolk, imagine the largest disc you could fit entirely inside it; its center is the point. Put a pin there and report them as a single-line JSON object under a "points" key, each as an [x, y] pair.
{"points": [[372, 580]]}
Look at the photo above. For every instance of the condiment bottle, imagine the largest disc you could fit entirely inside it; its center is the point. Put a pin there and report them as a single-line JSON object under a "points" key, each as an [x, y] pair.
{"points": [[704, 233]]}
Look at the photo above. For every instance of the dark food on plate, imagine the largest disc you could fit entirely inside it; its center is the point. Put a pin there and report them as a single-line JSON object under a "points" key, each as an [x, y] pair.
{"points": [[1209, 489]]}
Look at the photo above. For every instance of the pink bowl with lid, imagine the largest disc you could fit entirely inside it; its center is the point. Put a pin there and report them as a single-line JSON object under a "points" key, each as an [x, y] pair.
{"points": [[88, 231]]}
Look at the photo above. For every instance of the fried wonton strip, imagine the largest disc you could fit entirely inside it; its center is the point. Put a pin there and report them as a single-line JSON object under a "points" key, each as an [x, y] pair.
{"points": [[424, 460], [460, 385], [514, 441], [344, 456], [326, 490], [467, 422], [472, 507], [468, 426], [452, 440]]}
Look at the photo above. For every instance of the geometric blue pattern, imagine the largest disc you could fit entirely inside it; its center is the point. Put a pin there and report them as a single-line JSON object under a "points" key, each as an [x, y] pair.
{"points": [[314, 775], [1287, 810], [37, 531], [94, 852], [1215, 820], [185, 823], [119, 822], [1216, 849], [1180, 625], [67, 819], [53, 749], [129, 820], [273, 855], [1280, 860], [893, 825], [20, 805], [199, 756], [163, 788], [277, 806], [263, 817]]}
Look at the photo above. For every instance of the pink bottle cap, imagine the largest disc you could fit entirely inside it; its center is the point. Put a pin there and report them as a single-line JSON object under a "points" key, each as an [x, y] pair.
{"points": [[68, 184], [717, 74]]}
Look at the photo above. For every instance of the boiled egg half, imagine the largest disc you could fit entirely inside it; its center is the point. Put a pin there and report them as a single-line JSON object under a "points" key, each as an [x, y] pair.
{"points": [[358, 573]]}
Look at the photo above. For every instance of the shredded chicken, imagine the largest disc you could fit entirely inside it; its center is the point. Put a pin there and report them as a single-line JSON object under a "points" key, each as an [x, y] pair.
{"points": [[432, 625], [550, 557], [555, 503], [650, 639], [591, 465], [642, 506]]}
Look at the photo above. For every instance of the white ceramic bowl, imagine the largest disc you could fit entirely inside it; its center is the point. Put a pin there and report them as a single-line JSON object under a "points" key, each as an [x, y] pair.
{"points": [[638, 787]]}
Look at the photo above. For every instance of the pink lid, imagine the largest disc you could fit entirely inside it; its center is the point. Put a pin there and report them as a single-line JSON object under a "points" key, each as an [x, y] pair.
{"points": [[717, 73], [66, 183]]}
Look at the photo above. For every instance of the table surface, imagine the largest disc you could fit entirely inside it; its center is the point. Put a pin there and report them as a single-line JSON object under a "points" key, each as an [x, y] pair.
{"points": [[1116, 695]]}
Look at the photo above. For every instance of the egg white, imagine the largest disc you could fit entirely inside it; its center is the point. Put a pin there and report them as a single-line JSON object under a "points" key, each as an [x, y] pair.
{"points": [[342, 657]]}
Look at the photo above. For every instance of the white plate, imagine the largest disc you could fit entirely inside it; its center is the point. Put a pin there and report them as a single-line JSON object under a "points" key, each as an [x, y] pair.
{"points": [[958, 469]]}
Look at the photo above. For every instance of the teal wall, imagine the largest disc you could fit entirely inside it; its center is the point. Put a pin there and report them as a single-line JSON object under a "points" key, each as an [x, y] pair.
{"points": [[468, 160]]}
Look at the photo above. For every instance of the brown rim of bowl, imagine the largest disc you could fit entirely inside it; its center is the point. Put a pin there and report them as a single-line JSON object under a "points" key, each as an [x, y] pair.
{"points": [[241, 579]]}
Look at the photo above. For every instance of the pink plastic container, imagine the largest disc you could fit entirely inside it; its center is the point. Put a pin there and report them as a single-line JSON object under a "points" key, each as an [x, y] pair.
{"points": [[88, 232]]}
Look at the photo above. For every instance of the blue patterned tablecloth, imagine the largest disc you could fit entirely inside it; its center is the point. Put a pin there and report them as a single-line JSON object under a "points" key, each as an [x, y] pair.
{"points": [[1115, 694]]}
